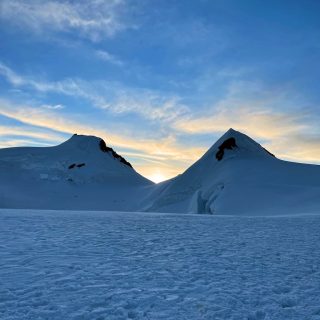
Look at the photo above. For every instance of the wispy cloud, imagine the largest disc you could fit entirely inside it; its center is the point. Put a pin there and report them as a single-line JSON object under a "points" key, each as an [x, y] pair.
{"points": [[11, 76], [250, 107], [9, 135], [10, 142], [108, 57], [147, 103], [53, 107], [301, 147], [93, 19], [109, 96], [257, 122]]}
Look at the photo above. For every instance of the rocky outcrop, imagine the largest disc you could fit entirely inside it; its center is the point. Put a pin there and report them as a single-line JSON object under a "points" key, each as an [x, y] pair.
{"points": [[227, 144], [74, 165], [105, 148]]}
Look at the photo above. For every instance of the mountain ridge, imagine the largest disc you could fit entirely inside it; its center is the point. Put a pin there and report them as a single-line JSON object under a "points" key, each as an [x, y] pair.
{"points": [[80, 173], [236, 174], [245, 178]]}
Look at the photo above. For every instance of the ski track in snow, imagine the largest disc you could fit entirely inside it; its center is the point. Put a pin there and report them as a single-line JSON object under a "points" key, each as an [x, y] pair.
{"points": [[95, 265]]}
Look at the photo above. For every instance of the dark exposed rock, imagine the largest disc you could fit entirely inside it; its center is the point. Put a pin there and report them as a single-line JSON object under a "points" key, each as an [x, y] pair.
{"points": [[76, 165], [271, 154], [105, 148], [80, 165], [227, 144]]}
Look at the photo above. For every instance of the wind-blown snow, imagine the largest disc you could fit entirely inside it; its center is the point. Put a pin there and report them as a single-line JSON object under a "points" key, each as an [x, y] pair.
{"points": [[105, 265]]}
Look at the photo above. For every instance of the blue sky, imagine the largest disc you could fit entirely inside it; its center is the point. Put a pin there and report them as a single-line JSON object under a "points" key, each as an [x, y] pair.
{"points": [[160, 81]]}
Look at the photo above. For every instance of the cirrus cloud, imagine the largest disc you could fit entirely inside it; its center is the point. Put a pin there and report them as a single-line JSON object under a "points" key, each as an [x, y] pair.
{"points": [[109, 96], [93, 19]]}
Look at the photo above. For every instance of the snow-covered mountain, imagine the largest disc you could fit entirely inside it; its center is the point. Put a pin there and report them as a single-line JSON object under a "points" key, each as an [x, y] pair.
{"points": [[81, 173], [238, 176], [235, 176]]}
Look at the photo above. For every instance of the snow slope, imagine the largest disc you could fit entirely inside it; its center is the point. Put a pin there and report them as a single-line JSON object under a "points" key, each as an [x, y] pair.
{"points": [[237, 175], [81, 173], [99, 265]]}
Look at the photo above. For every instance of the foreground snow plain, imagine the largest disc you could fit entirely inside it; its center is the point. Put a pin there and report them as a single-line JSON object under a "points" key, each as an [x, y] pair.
{"points": [[105, 265]]}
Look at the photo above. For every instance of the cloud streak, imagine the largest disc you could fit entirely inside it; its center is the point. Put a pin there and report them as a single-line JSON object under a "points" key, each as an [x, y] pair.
{"points": [[11, 76], [108, 57], [53, 107], [301, 147], [257, 122], [93, 19], [42, 136], [108, 96]]}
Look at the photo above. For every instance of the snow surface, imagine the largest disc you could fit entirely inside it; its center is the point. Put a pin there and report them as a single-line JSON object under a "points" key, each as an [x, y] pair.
{"points": [[76, 174], [248, 180], [80, 175], [111, 265]]}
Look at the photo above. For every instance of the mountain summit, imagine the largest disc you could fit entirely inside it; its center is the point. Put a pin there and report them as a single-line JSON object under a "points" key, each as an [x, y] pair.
{"points": [[234, 143], [238, 176], [235, 176], [81, 173], [91, 144]]}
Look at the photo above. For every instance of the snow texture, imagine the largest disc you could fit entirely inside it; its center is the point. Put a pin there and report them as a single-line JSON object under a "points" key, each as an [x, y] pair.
{"points": [[105, 265]]}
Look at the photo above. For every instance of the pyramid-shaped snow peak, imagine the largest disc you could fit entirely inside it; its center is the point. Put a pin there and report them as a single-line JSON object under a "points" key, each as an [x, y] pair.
{"points": [[238, 176], [234, 143]]}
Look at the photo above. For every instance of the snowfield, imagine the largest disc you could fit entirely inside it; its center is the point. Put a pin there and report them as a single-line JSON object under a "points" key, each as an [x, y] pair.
{"points": [[105, 265], [235, 176]]}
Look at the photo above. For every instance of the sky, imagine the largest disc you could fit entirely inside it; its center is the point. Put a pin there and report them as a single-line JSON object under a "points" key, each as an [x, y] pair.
{"points": [[160, 81]]}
